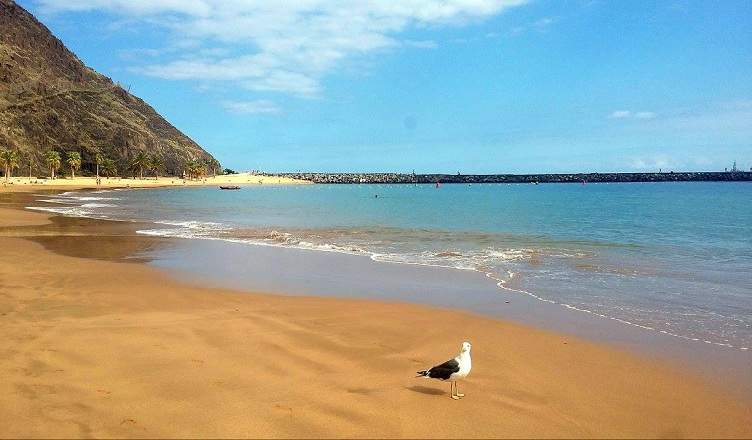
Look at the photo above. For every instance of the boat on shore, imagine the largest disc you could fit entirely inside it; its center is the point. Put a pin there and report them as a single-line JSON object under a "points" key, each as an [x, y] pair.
{"points": [[229, 187]]}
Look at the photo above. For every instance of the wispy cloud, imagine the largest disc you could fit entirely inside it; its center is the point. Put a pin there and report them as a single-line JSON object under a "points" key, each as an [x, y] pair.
{"points": [[733, 117], [421, 44], [251, 107], [540, 25], [655, 162], [288, 46], [620, 114], [543, 23], [668, 162], [628, 114]]}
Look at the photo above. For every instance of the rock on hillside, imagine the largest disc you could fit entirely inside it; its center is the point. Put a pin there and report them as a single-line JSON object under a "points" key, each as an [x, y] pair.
{"points": [[50, 100]]}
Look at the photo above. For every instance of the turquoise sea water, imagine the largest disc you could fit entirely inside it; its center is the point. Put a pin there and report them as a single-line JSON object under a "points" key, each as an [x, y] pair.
{"points": [[672, 257]]}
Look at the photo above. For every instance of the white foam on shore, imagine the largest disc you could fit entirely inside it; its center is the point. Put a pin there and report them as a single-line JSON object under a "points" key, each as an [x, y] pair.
{"points": [[75, 195], [208, 231], [500, 283], [76, 204], [59, 201], [98, 205], [72, 211]]}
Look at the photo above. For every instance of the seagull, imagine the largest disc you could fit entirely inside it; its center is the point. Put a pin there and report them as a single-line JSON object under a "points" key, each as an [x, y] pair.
{"points": [[453, 369]]}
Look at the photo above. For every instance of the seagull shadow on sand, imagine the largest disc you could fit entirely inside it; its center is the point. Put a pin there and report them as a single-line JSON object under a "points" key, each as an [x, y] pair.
{"points": [[425, 390]]}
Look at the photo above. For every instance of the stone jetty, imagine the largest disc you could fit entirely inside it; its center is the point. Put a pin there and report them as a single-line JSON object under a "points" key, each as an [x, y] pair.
{"points": [[398, 178]]}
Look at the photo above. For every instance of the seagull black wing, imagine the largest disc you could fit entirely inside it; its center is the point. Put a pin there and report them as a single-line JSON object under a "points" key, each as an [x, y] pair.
{"points": [[443, 371]]}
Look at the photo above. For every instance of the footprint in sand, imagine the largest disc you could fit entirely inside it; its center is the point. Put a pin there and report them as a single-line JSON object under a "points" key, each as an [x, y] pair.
{"points": [[132, 423], [283, 408], [364, 391]]}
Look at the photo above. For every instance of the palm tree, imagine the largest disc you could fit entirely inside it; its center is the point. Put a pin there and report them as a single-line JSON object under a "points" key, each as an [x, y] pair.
{"points": [[140, 161], [98, 159], [108, 167], [74, 162], [189, 168], [53, 161], [214, 165], [156, 164], [194, 169], [29, 156], [9, 159]]}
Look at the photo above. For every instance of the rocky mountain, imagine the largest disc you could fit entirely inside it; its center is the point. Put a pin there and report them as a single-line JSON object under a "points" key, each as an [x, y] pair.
{"points": [[50, 100]]}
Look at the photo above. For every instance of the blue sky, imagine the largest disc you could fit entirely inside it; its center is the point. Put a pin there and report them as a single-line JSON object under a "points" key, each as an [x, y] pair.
{"points": [[477, 86]]}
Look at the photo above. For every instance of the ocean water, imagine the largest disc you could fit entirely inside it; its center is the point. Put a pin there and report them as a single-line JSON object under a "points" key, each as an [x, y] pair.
{"points": [[674, 258]]}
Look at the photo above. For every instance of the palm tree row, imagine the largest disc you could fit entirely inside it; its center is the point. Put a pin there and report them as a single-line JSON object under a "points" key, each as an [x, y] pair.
{"points": [[54, 160], [194, 168], [141, 161], [156, 165], [10, 160], [214, 165]]}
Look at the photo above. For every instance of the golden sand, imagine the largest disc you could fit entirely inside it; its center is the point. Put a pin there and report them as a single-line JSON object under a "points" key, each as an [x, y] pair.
{"points": [[26, 183], [98, 347]]}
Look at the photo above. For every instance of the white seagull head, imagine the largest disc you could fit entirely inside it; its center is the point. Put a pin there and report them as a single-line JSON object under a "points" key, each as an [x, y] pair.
{"points": [[466, 347]]}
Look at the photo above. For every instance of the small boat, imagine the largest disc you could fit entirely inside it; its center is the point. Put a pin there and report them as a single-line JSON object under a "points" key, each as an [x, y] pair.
{"points": [[229, 187]]}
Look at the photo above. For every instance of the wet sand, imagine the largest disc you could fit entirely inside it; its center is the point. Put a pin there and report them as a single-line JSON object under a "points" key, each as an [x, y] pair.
{"points": [[98, 344], [217, 263]]}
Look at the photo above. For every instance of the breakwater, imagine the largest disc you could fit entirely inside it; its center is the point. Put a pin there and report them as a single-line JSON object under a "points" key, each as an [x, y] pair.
{"points": [[399, 178]]}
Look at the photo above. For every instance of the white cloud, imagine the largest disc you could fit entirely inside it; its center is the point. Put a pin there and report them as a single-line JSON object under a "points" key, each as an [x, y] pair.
{"points": [[541, 25], [421, 44], [135, 7], [628, 114], [620, 114], [286, 46], [655, 162], [251, 107], [283, 81], [668, 162]]}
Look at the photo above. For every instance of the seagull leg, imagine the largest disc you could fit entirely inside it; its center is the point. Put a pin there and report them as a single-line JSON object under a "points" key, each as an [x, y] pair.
{"points": [[453, 384], [457, 392]]}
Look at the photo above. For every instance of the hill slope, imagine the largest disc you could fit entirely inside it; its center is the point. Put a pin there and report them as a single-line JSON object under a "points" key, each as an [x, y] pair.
{"points": [[49, 100]]}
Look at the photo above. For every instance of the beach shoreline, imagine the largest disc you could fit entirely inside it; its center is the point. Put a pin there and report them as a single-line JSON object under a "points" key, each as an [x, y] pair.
{"points": [[96, 347], [305, 272], [25, 184]]}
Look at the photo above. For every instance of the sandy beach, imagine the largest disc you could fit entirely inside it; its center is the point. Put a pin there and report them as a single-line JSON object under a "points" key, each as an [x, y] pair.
{"points": [[20, 183], [96, 344]]}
